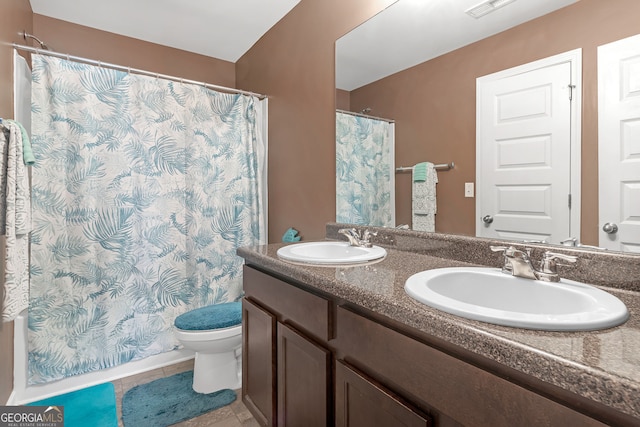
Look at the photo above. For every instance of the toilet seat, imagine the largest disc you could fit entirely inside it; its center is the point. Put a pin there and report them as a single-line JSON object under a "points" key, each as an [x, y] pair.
{"points": [[211, 317]]}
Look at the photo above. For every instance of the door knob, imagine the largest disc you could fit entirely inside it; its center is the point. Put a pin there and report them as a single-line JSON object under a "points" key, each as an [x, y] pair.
{"points": [[610, 228], [487, 219]]}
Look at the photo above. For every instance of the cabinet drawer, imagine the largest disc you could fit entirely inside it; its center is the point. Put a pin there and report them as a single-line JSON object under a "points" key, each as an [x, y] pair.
{"points": [[290, 304], [464, 392]]}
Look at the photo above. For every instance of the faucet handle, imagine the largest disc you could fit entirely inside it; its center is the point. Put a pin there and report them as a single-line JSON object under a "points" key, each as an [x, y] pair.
{"points": [[570, 241], [555, 255], [548, 263], [366, 236], [506, 265], [517, 253]]}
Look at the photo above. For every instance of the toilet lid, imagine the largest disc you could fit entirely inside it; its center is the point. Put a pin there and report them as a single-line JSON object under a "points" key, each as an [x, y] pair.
{"points": [[217, 316]]}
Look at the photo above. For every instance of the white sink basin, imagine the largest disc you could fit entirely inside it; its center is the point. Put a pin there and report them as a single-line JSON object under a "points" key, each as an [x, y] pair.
{"points": [[330, 253], [491, 296]]}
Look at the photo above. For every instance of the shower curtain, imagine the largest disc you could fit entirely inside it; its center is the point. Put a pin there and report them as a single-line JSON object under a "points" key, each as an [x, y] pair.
{"points": [[143, 188], [365, 180]]}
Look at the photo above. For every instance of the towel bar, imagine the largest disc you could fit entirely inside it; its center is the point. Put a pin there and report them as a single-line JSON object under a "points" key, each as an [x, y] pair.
{"points": [[443, 167]]}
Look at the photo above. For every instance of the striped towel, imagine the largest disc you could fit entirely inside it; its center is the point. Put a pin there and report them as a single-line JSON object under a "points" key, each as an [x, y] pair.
{"points": [[423, 197]]}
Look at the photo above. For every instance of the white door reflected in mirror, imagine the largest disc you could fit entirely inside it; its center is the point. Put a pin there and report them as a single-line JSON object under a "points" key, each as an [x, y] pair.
{"points": [[526, 162], [619, 144]]}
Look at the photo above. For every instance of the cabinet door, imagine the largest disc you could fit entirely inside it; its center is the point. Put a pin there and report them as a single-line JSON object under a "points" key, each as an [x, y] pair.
{"points": [[258, 362], [361, 403], [304, 370]]}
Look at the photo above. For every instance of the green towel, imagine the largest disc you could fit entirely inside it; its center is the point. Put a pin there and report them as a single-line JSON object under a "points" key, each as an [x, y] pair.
{"points": [[420, 172], [27, 153]]}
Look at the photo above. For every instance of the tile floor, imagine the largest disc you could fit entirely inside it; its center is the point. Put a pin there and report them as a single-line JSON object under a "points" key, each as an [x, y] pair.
{"points": [[234, 415]]}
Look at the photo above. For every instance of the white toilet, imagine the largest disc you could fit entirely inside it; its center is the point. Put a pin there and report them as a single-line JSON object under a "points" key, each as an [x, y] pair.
{"points": [[215, 334]]}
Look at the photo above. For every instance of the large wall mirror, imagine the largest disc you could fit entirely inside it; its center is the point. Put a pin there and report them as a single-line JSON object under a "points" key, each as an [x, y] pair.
{"points": [[431, 97]]}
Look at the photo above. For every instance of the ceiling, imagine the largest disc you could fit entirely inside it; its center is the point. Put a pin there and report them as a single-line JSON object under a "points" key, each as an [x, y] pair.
{"points": [[405, 34], [223, 29], [410, 32]]}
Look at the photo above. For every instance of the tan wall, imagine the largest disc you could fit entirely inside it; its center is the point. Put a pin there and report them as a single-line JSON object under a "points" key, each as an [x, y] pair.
{"points": [[294, 64], [343, 101], [433, 104], [15, 17]]}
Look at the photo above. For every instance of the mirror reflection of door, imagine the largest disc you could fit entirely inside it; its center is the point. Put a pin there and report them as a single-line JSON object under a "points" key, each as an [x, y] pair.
{"points": [[527, 151], [619, 144]]}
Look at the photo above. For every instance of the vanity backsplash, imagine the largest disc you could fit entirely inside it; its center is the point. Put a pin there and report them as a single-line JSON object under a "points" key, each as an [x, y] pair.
{"points": [[602, 268]]}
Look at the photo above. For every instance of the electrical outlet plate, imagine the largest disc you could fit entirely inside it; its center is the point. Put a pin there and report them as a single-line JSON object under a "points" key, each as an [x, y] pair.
{"points": [[468, 189]]}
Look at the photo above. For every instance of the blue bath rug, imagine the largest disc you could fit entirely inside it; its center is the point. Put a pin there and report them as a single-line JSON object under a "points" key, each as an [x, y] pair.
{"points": [[168, 401], [93, 406]]}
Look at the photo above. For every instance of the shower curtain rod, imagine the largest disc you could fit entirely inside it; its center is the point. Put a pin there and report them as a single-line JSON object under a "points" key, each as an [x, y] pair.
{"points": [[134, 70], [365, 116]]}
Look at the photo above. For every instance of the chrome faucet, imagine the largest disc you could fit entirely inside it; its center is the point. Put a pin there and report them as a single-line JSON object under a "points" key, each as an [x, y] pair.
{"points": [[518, 263], [355, 239]]}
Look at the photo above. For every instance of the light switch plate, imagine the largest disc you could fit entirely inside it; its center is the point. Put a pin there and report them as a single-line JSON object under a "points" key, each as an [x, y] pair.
{"points": [[468, 189]]}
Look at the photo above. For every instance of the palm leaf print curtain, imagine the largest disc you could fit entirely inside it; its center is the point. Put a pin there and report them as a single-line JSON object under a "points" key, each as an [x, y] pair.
{"points": [[142, 190], [365, 180]]}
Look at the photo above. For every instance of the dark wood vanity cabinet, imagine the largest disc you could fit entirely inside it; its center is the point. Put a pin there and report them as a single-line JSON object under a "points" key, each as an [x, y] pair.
{"points": [[309, 360], [286, 371]]}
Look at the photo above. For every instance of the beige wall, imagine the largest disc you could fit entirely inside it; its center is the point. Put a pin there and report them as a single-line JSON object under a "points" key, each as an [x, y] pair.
{"points": [[294, 64], [15, 17], [433, 104], [343, 101]]}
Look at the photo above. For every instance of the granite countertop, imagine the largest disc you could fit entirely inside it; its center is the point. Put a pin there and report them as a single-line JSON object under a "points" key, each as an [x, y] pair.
{"points": [[603, 366]]}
